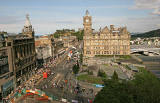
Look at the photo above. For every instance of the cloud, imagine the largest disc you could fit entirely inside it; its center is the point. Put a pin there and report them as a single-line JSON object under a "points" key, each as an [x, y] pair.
{"points": [[9, 20], [154, 5], [134, 24], [143, 24]]}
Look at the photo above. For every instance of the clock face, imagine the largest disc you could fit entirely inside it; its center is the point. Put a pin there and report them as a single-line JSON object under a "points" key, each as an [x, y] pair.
{"points": [[87, 20]]}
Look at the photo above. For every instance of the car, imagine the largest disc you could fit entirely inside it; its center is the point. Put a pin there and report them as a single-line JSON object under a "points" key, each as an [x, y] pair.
{"points": [[64, 100], [74, 101]]}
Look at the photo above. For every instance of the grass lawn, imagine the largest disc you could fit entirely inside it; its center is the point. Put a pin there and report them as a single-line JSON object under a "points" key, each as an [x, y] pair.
{"points": [[90, 79]]}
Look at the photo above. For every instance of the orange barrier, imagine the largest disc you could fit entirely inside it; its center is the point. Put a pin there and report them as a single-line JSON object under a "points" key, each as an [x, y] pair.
{"points": [[42, 99]]}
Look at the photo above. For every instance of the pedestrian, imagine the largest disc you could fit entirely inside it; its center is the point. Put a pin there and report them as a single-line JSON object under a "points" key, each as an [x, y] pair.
{"points": [[46, 85]]}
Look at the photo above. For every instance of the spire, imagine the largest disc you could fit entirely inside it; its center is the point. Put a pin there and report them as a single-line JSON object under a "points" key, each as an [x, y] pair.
{"points": [[87, 12], [27, 23]]}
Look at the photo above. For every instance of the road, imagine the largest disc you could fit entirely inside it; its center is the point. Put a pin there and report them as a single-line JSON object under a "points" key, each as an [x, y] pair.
{"points": [[62, 83], [62, 72]]}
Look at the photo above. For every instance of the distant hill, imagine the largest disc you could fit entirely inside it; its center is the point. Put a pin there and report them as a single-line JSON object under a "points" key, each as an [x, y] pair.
{"points": [[153, 33]]}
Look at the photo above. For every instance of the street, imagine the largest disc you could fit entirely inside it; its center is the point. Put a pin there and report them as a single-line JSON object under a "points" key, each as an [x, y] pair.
{"points": [[61, 83]]}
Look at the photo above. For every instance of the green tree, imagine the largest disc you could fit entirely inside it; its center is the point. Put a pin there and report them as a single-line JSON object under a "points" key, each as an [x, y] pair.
{"points": [[114, 92], [144, 88], [56, 35], [75, 68], [102, 74], [90, 72], [79, 35], [81, 58], [115, 76]]}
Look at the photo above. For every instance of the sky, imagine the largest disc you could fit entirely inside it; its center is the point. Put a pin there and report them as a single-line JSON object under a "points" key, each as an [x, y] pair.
{"points": [[49, 15]]}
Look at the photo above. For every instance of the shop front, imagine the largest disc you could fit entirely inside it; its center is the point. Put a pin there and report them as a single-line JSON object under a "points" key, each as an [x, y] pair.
{"points": [[7, 88]]}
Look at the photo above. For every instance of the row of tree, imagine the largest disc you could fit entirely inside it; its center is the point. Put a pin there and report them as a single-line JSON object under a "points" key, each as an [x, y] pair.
{"points": [[144, 88], [78, 34]]}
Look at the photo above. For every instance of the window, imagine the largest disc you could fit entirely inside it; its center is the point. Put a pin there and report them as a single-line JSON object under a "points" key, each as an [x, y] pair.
{"points": [[7, 76], [97, 52], [9, 43], [106, 47], [4, 67], [11, 74], [88, 52]]}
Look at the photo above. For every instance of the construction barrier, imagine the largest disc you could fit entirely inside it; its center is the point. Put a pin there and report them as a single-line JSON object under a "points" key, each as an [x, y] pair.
{"points": [[25, 93]]}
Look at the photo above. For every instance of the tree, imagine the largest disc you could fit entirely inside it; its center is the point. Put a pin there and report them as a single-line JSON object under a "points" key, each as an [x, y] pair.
{"points": [[78, 34], [144, 88], [81, 58], [113, 92], [102, 74], [75, 68], [90, 72], [115, 76], [56, 35]]}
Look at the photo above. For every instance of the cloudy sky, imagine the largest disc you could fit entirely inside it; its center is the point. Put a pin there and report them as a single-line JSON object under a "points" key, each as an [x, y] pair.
{"points": [[49, 15]]}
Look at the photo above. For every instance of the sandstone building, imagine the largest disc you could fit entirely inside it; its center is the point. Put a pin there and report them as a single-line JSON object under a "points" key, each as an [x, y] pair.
{"points": [[23, 51], [17, 58], [44, 49], [6, 67], [113, 41], [69, 41]]}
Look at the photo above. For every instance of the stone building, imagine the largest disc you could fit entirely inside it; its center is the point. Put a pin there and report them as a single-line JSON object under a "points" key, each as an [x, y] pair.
{"points": [[17, 58], [59, 45], [6, 67], [113, 41], [69, 41], [44, 49], [23, 51]]}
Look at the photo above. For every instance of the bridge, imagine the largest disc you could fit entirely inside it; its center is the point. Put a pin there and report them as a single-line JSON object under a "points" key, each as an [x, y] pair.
{"points": [[146, 51]]}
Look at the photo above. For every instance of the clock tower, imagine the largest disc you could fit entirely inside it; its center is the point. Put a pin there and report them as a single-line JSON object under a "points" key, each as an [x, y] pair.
{"points": [[87, 23]]}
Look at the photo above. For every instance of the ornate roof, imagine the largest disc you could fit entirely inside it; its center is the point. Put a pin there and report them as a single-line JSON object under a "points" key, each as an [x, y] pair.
{"points": [[87, 12], [27, 23], [105, 30]]}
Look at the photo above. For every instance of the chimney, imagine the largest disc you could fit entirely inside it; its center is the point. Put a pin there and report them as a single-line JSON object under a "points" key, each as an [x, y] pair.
{"points": [[111, 27]]}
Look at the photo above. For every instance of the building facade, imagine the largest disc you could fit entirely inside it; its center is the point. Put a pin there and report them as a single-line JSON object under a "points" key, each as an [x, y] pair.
{"points": [[69, 41], [6, 67], [24, 56], [17, 59], [113, 41], [44, 49]]}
